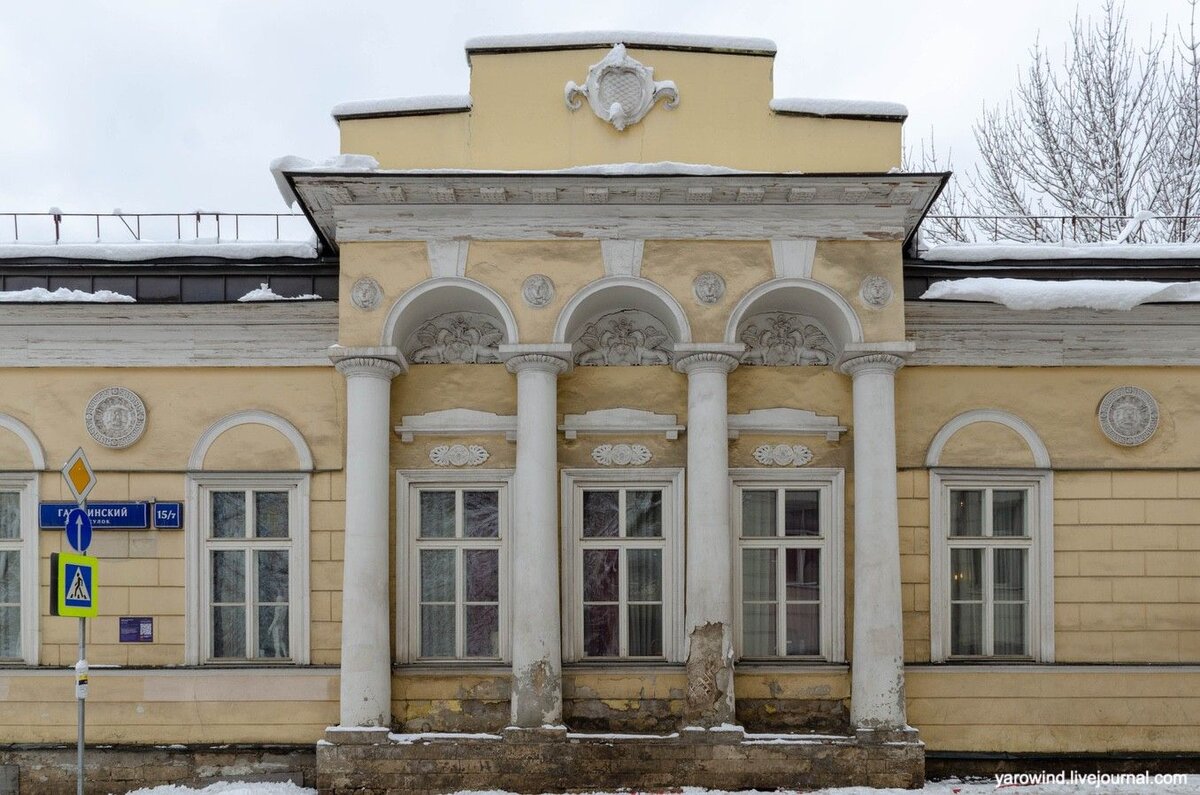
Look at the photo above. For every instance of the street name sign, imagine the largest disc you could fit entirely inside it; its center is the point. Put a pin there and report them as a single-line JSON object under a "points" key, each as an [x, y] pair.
{"points": [[104, 515]]}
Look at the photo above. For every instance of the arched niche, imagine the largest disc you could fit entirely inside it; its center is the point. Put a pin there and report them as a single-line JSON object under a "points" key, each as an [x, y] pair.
{"points": [[622, 320], [450, 320], [20, 449], [251, 441], [987, 438], [793, 321]]}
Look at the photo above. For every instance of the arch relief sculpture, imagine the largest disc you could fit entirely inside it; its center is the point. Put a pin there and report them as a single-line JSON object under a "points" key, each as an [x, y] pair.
{"points": [[627, 337], [456, 338], [785, 338]]}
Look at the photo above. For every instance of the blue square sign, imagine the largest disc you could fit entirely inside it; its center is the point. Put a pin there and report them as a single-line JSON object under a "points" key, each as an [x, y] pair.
{"points": [[79, 585]]}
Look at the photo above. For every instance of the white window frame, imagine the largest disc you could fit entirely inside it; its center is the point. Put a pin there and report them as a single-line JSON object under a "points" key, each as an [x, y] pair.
{"points": [[198, 646], [1039, 483], [408, 563], [574, 481], [26, 484], [830, 484]]}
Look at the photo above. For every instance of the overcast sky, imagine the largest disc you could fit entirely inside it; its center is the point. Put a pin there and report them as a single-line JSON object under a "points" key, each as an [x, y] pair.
{"points": [[167, 106]]}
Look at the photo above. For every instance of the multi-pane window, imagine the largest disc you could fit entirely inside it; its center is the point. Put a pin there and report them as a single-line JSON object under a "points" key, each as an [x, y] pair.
{"points": [[622, 544], [989, 560], [990, 541], [249, 551], [622, 572], [11, 624], [458, 563], [788, 540]]}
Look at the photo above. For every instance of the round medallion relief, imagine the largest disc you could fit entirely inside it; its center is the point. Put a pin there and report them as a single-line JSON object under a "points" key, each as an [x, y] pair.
{"points": [[115, 417], [709, 287], [876, 291], [537, 290], [1128, 415], [366, 294]]}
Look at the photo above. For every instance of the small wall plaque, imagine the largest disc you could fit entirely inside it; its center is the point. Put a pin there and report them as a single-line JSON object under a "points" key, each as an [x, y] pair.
{"points": [[137, 629]]}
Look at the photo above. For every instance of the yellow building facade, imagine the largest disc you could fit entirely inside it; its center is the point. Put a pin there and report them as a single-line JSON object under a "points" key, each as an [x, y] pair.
{"points": [[621, 426]]}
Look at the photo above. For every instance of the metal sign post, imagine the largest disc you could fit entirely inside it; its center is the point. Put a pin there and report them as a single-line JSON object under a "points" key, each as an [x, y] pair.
{"points": [[75, 586]]}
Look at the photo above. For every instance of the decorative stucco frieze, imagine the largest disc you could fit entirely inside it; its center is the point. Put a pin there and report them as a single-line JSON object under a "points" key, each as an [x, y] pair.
{"points": [[708, 287], [784, 338], [366, 294], [458, 455], [782, 455], [627, 337], [115, 417], [456, 338], [1128, 416], [621, 455], [620, 89], [538, 290]]}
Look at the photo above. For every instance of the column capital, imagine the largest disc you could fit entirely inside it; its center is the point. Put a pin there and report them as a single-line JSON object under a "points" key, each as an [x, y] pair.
{"points": [[540, 362], [884, 363], [706, 362], [380, 362]]}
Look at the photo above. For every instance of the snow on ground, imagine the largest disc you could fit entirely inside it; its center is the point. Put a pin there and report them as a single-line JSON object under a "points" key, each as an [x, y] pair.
{"points": [[1138, 784], [40, 295], [1079, 293]]}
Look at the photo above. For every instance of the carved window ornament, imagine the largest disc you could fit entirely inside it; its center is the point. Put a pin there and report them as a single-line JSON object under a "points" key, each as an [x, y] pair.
{"points": [[785, 338], [622, 455], [456, 338], [457, 422], [782, 455], [459, 455], [627, 337], [620, 89]]}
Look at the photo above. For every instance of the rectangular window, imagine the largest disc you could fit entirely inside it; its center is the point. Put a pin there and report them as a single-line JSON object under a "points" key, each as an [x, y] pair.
{"points": [[252, 579], [456, 532], [990, 546], [788, 528], [18, 570], [623, 544]]}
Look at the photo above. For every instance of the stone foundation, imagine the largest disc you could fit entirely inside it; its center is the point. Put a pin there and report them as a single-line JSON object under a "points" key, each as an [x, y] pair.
{"points": [[372, 762], [38, 769]]}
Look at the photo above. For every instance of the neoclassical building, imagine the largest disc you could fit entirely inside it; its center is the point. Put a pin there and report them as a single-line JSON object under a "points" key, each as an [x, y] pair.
{"points": [[618, 450]]}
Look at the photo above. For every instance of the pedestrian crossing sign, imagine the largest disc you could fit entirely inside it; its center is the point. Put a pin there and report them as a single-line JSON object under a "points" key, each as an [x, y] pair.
{"points": [[73, 585]]}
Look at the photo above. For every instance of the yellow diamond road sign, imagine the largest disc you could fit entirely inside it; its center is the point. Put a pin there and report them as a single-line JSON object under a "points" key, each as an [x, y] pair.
{"points": [[79, 475]]}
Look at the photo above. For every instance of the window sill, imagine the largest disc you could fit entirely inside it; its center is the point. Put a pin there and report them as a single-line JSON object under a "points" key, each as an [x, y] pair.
{"points": [[623, 667], [790, 666], [453, 667]]}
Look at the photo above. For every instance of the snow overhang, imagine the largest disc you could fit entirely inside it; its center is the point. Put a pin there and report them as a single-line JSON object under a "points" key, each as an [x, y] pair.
{"points": [[625, 201], [634, 39]]}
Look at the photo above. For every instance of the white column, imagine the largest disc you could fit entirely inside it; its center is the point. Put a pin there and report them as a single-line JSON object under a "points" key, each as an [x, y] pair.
{"points": [[877, 667], [366, 668], [536, 634], [709, 573]]}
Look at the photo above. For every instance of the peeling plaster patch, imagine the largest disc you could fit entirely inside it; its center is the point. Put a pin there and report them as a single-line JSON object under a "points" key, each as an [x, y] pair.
{"points": [[537, 695], [710, 678]]}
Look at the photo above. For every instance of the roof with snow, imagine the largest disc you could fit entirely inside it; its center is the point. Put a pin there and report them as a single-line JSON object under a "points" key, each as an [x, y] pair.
{"points": [[742, 45]]}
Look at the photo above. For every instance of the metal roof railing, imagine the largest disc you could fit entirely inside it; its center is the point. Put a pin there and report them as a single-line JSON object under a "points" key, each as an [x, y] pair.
{"points": [[119, 227]]}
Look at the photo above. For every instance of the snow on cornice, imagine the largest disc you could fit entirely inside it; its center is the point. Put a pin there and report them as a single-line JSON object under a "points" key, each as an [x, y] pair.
{"points": [[630, 38], [145, 251], [1027, 294], [840, 108], [402, 106], [991, 252]]}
